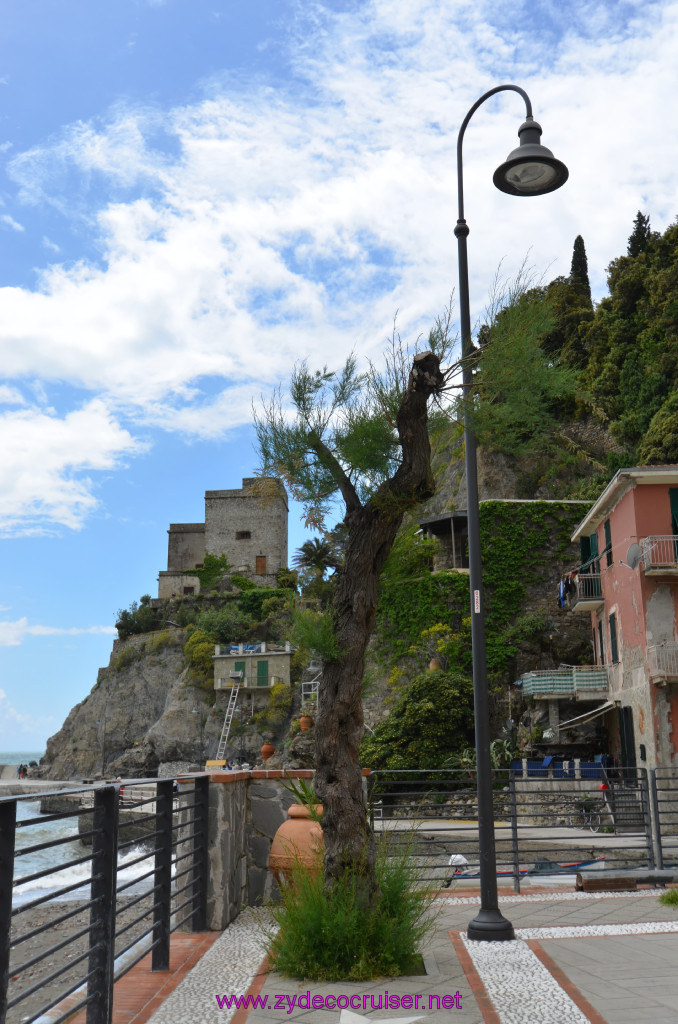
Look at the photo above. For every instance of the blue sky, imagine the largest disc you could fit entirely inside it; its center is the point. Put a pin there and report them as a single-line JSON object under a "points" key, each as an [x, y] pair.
{"points": [[195, 193]]}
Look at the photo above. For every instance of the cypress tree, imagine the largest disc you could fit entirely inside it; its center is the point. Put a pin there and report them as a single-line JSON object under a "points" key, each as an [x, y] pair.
{"points": [[579, 271], [640, 236]]}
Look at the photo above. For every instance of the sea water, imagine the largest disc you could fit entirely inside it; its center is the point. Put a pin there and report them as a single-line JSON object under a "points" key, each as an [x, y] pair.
{"points": [[37, 860]]}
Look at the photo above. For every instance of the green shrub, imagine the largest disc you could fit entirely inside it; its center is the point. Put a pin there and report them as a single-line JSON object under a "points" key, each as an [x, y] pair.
{"points": [[669, 898], [431, 719], [335, 936], [199, 652], [313, 633], [243, 583]]}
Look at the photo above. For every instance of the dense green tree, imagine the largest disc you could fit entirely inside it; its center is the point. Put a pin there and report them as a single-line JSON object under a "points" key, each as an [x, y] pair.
{"points": [[431, 719], [579, 270], [639, 238], [519, 391], [363, 437]]}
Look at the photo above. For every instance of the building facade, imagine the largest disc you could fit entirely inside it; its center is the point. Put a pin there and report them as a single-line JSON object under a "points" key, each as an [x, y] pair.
{"points": [[248, 525], [628, 584]]}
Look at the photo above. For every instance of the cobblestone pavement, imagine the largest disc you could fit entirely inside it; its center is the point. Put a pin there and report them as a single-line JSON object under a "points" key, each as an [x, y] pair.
{"points": [[577, 958]]}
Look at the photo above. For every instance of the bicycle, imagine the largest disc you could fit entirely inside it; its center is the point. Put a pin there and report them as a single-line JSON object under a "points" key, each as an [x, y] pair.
{"points": [[585, 817]]}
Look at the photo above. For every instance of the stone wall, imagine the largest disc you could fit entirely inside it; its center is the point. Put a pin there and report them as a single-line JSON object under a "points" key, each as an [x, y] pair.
{"points": [[245, 811]]}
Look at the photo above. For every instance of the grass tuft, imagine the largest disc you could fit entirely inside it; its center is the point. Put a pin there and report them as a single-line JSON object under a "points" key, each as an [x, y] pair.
{"points": [[333, 936], [669, 898]]}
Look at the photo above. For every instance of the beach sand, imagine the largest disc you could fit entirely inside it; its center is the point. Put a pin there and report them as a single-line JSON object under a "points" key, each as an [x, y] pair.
{"points": [[44, 917]]}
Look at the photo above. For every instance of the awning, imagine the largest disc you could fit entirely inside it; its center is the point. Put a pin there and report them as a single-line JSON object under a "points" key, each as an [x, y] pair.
{"points": [[588, 715]]}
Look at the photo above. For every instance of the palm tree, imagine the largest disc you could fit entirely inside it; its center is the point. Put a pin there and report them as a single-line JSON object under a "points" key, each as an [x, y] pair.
{"points": [[316, 556]]}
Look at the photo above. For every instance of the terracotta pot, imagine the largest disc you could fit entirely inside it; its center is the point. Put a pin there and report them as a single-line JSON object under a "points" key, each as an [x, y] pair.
{"points": [[305, 722], [298, 843], [434, 663], [267, 750]]}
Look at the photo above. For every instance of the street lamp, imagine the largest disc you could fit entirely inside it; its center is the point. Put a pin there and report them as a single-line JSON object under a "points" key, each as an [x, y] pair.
{"points": [[530, 170]]}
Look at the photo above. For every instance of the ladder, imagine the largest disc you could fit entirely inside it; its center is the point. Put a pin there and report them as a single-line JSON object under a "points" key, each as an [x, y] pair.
{"points": [[230, 711]]}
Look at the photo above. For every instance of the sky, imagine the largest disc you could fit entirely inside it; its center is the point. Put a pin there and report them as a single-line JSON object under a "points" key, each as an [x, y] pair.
{"points": [[195, 194]]}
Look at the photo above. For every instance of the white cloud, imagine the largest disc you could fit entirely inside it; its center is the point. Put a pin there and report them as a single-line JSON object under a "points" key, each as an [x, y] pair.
{"points": [[13, 634], [11, 396], [29, 723], [9, 222], [294, 223], [45, 460]]}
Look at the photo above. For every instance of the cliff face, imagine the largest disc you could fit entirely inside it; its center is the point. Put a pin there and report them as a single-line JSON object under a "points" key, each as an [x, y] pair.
{"points": [[138, 715]]}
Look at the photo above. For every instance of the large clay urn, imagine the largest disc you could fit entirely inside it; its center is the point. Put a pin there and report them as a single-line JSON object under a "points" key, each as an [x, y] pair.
{"points": [[298, 843], [267, 750], [305, 722]]}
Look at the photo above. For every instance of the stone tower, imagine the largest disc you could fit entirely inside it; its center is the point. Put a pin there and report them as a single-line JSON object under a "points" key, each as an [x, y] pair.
{"points": [[248, 525]]}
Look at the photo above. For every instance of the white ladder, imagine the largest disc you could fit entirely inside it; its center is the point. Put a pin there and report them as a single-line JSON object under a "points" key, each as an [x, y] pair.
{"points": [[230, 711]]}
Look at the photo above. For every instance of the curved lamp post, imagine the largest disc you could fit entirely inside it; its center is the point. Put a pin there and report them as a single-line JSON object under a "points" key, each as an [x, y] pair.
{"points": [[530, 170]]}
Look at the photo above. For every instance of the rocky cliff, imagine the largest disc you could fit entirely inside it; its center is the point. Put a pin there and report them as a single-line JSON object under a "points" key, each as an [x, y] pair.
{"points": [[138, 716]]}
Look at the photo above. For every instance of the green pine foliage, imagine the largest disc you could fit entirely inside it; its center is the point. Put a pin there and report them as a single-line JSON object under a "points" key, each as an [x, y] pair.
{"points": [[335, 935]]}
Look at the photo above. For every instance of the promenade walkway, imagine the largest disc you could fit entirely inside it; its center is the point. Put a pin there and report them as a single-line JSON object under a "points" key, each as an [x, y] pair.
{"points": [[602, 959]]}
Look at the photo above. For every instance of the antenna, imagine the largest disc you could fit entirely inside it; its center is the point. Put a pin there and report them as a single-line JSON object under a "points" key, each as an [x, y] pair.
{"points": [[634, 556]]}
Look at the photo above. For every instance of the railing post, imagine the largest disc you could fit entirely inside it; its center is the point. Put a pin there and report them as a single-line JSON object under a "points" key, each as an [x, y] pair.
{"points": [[102, 910], [199, 859], [645, 802], [7, 841], [656, 821], [514, 832], [163, 876], [370, 798]]}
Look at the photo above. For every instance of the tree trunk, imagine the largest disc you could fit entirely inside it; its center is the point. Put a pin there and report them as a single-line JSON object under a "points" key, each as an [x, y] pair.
{"points": [[371, 529]]}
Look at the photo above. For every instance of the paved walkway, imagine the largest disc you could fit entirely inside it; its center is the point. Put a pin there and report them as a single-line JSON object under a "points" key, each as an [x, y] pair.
{"points": [[602, 959]]}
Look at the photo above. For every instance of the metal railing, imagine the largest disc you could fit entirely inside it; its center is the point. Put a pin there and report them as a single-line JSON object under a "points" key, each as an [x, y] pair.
{"points": [[565, 681], [125, 919], [587, 589], [662, 660], [542, 826], [660, 552]]}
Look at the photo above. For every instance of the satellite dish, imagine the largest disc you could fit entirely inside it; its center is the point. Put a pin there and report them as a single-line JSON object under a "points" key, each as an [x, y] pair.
{"points": [[634, 556]]}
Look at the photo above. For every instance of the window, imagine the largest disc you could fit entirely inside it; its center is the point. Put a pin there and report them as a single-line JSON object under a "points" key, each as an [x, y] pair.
{"points": [[242, 534], [189, 590], [608, 542], [601, 645], [614, 651]]}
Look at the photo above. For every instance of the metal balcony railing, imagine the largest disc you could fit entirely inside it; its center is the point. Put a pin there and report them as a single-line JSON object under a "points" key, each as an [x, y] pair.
{"points": [[662, 660], [660, 553], [587, 591]]}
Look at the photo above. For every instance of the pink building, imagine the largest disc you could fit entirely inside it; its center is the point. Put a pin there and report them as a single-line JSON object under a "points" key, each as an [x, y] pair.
{"points": [[628, 583]]}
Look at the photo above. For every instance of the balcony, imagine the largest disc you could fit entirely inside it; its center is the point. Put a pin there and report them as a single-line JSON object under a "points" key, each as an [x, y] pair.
{"points": [[662, 662], [581, 682], [660, 555], [588, 593]]}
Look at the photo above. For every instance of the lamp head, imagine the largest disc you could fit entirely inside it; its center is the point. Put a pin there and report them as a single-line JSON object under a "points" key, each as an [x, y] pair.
{"points": [[531, 169]]}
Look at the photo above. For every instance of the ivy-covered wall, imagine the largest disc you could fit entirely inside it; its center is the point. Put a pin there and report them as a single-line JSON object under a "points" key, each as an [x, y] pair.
{"points": [[525, 549]]}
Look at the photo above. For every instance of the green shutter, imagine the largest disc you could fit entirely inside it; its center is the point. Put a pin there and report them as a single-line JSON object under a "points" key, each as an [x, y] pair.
{"points": [[673, 498], [614, 651], [584, 549], [241, 666], [608, 541], [262, 673]]}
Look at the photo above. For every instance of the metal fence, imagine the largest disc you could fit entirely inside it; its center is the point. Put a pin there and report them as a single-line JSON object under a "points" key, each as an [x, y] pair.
{"points": [[99, 924], [546, 823]]}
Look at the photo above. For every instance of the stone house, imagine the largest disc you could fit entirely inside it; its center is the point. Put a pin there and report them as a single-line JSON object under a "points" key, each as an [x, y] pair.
{"points": [[248, 525]]}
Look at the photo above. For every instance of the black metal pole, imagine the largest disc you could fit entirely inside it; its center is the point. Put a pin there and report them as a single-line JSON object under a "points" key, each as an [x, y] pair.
{"points": [[162, 913], [102, 909], [7, 841], [489, 924]]}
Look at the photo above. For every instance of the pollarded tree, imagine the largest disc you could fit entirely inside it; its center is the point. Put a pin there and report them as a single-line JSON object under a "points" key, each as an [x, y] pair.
{"points": [[362, 437]]}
